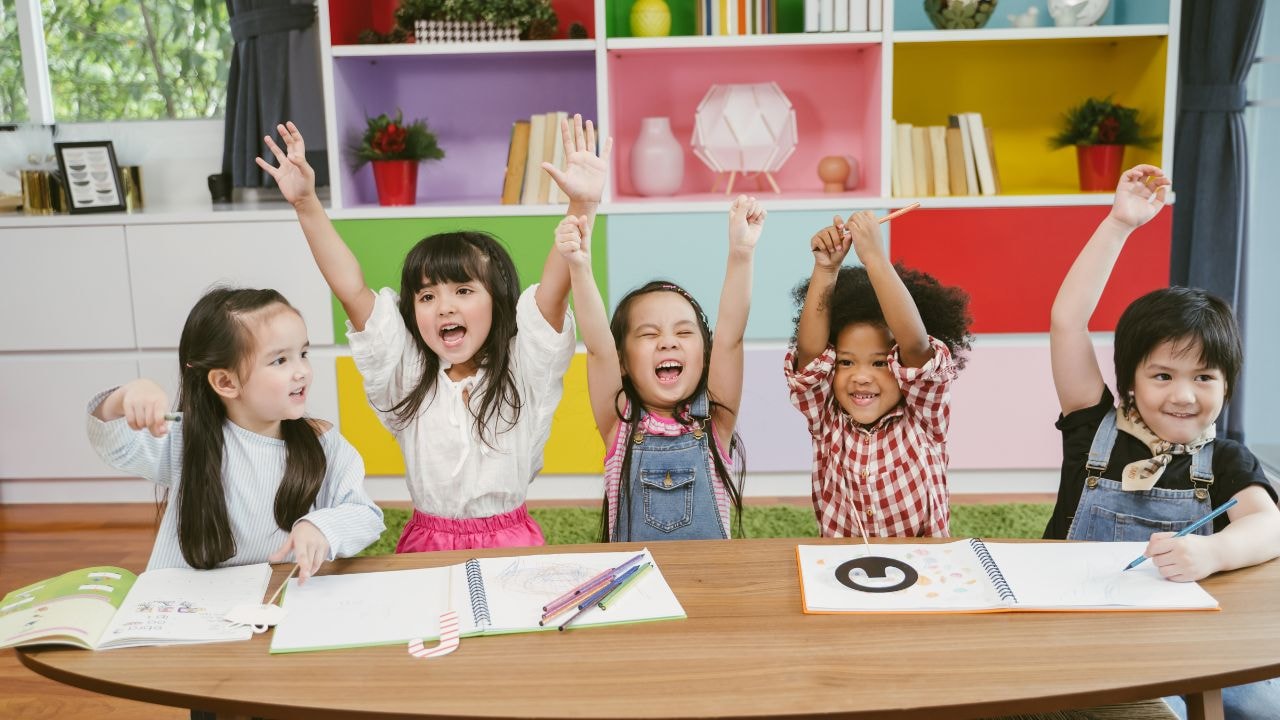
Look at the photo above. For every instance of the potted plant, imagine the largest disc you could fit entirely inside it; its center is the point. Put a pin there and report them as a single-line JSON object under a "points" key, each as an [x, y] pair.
{"points": [[1100, 130], [395, 150], [469, 20]]}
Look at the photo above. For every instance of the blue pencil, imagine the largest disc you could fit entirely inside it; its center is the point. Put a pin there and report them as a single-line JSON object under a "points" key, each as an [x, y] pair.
{"points": [[602, 593], [1189, 529]]}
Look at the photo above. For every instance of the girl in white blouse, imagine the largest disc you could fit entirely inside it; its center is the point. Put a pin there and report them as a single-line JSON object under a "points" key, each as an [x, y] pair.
{"points": [[463, 369]]}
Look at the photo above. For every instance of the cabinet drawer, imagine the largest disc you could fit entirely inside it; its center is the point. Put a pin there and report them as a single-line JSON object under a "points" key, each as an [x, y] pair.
{"points": [[173, 265], [65, 288]]}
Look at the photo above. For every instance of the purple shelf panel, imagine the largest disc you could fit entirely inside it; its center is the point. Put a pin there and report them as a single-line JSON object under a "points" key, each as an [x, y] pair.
{"points": [[469, 101]]}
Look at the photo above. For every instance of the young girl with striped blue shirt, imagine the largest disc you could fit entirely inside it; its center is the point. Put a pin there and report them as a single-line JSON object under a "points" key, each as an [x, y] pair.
{"points": [[255, 478]]}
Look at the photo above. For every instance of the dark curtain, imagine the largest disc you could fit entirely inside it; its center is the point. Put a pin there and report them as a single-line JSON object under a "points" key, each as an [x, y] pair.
{"points": [[1218, 44], [274, 63]]}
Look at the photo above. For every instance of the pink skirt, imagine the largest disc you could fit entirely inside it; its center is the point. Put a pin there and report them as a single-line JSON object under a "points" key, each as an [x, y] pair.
{"points": [[427, 533]]}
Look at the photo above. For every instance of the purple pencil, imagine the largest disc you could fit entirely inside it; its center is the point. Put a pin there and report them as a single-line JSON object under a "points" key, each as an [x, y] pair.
{"points": [[588, 584]]}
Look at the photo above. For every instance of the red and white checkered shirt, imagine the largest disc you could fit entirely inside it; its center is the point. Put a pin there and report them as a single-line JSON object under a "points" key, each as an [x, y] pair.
{"points": [[892, 475]]}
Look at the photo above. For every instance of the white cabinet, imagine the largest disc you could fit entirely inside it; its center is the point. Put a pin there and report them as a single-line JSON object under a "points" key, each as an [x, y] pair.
{"points": [[42, 414], [171, 266], [65, 288]]}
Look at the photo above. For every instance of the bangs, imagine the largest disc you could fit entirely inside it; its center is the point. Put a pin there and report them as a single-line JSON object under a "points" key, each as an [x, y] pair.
{"points": [[449, 259]]}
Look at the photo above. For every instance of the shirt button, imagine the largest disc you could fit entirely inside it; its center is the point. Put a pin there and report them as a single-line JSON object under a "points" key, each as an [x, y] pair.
{"points": [[871, 512], [865, 473]]}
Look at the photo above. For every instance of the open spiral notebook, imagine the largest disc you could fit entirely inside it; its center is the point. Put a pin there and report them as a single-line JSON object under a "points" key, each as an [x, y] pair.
{"points": [[970, 576], [492, 596]]}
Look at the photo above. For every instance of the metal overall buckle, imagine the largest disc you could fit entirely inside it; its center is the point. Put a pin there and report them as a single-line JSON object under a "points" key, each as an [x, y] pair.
{"points": [[1202, 492]]}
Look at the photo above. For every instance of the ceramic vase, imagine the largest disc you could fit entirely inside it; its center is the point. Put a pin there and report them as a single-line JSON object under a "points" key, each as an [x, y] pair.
{"points": [[650, 18], [657, 160]]}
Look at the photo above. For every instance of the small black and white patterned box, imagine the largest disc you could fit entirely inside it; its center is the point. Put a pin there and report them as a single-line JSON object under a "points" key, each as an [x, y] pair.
{"points": [[445, 31]]}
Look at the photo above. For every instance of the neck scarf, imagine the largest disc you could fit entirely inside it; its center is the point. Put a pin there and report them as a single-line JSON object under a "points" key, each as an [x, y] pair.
{"points": [[1143, 474]]}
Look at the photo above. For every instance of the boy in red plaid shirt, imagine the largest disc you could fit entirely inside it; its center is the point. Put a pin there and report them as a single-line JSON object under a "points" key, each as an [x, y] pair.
{"points": [[871, 368]]}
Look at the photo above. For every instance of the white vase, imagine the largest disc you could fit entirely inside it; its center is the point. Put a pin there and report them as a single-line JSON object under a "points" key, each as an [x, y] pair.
{"points": [[657, 160]]}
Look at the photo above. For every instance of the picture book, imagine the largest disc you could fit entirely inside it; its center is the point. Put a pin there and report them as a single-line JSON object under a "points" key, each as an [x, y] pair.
{"points": [[101, 608], [969, 576], [491, 596]]}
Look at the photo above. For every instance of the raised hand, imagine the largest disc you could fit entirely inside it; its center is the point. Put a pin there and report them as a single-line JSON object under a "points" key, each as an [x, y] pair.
{"points": [[830, 245], [309, 547], [295, 177], [584, 173], [864, 232], [144, 405], [746, 221], [1140, 195], [573, 240]]}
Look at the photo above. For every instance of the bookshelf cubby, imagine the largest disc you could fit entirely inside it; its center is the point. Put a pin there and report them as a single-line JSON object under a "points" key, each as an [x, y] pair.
{"points": [[847, 90]]}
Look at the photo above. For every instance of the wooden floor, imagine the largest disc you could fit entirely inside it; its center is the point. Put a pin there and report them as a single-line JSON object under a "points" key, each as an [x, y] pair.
{"points": [[38, 541]]}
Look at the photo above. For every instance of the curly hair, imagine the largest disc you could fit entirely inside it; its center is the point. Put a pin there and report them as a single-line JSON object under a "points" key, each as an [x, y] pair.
{"points": [[943, 309]]}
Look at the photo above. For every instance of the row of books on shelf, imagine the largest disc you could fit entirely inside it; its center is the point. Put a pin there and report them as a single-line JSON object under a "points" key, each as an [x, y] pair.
{"points": [[533, 142], [958, 159], [843, 16], [736, 17]]}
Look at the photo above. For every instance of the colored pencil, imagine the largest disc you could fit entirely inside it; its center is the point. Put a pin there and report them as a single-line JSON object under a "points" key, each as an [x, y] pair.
{"points": [[1188, 529], [608, 600]]}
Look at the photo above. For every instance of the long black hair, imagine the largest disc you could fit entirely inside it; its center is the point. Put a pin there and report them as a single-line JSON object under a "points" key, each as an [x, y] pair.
{"points": [[217, 336], [629, 412], [460, 257]]}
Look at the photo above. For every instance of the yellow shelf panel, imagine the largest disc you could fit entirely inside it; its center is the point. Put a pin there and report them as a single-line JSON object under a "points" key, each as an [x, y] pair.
{"points": [[1023, 88]]}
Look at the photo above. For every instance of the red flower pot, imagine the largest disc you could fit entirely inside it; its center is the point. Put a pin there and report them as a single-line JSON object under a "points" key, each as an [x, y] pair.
{"points": [[397, 181], [1099, 166]]}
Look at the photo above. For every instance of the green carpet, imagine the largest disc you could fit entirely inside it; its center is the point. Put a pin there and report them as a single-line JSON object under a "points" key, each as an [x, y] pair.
{"points": [[571, 525]]}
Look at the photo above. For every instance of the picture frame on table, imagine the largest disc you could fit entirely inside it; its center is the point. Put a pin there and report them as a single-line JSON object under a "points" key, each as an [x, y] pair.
{"points": [[92, 176]]}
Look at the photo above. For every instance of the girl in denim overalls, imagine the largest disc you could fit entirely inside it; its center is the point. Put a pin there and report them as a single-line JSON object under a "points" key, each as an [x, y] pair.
{"points": [[1152, 465], [664, 394]]}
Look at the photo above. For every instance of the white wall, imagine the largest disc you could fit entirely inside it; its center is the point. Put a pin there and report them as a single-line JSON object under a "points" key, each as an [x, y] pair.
{"points": [[1262, 341], [176, 156]]}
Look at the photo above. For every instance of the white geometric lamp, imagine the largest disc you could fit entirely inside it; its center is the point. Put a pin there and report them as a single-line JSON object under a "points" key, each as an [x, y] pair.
{"points": [[744, 128]]}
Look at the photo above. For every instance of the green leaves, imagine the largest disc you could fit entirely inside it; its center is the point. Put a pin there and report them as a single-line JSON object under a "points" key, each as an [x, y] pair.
{"points": [[536, 18], [1101, 122], [137, 59]]}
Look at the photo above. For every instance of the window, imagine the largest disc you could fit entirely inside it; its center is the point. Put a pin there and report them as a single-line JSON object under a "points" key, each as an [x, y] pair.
{"points": [[131, 60], [134, 59], [13, 95]]}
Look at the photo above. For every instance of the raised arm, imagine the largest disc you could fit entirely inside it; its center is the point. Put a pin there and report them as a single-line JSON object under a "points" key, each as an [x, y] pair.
{"points": [[1076, 376], [582, 180], [829, 246], [900, 312], [604, 373], [339, 267], [142, 403], [724, 380]]}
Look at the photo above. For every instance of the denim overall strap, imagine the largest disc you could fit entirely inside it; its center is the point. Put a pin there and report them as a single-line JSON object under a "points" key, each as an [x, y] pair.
{"points": [[1107, 513], [1103, 441], [670, 495]]}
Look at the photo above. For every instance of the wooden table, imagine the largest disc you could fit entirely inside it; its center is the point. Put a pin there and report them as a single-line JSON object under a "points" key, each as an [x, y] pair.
{"points": [[745, 650]]}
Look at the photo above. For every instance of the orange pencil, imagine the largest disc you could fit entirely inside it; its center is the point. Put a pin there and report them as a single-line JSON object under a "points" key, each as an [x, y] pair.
{"points": [[903, 211]]}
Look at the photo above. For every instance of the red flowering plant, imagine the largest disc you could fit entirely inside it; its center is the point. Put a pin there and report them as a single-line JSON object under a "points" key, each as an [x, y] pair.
{"points": [[390, 138], [1101, 122]]}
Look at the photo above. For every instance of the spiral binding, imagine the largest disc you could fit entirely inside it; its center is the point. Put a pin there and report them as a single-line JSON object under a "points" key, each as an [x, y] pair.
{"points": [[479, 600], [993, 571]]}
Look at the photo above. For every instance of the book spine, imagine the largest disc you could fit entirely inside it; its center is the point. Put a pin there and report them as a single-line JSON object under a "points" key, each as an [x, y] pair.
{"points": [[479, 600], [993, 571]]}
